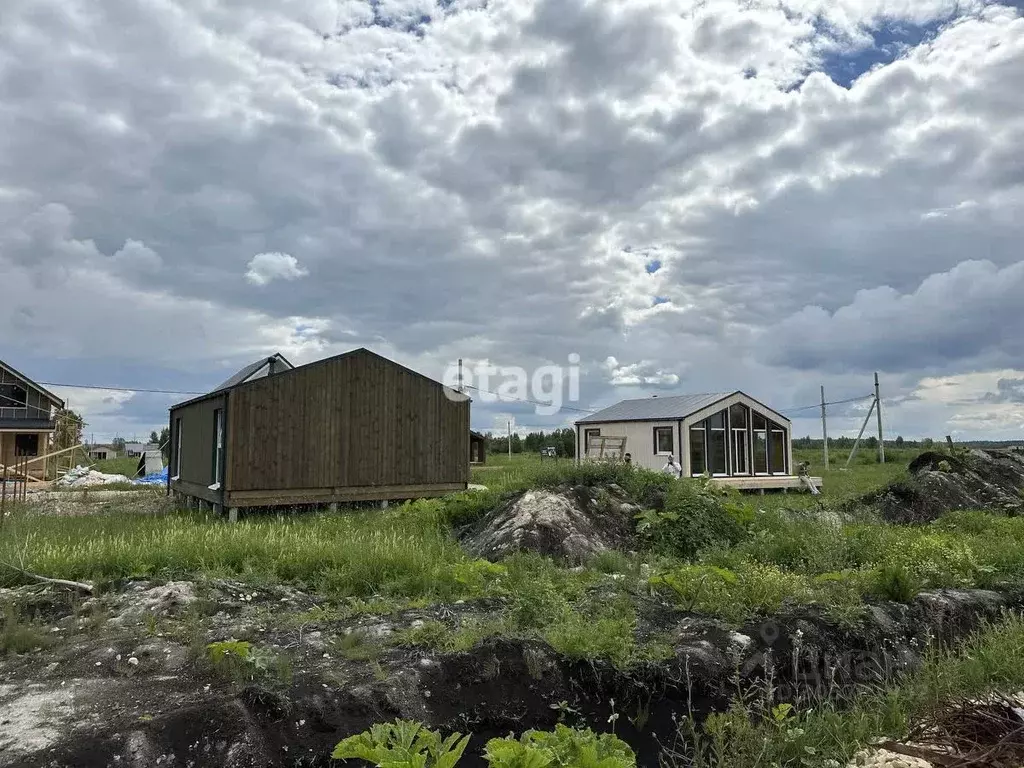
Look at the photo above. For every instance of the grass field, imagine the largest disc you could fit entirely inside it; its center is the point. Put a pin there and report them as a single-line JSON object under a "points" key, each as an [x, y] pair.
{"points": [[722, 555], [125, 465]]}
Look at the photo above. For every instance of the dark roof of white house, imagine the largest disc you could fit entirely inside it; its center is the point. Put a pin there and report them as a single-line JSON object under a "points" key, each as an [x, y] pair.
{"points": [[661, 408]]}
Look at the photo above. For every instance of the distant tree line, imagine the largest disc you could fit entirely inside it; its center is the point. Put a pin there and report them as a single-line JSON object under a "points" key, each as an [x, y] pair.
{"points": [[898, 442], [562, 440]]}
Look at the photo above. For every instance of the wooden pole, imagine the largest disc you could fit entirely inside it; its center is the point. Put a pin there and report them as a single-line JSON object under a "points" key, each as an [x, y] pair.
{"points": [[861, 433], [878, 412], [3, 489], [824, 426], [510, 439]]}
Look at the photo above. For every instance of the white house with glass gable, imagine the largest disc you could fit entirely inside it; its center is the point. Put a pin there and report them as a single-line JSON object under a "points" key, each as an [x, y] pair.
{"points": [[730, 436]]}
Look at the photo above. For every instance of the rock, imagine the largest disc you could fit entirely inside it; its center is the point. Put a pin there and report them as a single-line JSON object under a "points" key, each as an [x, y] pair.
{"points": [[170, 599], [573, 525]]}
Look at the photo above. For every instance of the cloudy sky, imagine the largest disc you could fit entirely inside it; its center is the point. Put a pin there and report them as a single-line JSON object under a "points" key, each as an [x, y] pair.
{"points": [[767, 195]]}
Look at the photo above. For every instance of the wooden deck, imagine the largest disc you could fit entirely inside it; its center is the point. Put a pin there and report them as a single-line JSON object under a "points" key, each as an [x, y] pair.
{"points": [[766, 483]]}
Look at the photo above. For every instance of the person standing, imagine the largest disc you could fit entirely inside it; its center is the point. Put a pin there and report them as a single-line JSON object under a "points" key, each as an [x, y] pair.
{"points": [[672, 468]]}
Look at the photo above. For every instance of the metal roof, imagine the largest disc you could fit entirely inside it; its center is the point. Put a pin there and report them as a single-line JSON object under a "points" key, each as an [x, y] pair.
{"points": [[667, 408], [251, 368], [651, 408]]}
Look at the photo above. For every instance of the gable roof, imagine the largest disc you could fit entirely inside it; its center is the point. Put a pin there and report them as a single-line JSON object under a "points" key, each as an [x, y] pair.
{"points": [[250, 371], [47, 393], [453, 394], [663, 408]]}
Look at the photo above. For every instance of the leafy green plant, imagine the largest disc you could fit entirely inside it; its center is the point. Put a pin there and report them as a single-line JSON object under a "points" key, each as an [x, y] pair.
{"points": [[696, 516], [403, 744], [894, 581], [241, 661], [562, 748]]}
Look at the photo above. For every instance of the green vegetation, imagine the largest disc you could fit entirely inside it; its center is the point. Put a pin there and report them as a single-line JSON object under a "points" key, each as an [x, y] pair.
{"points": [[562, 748], [758, 732], [126, 465], [243, 662], [403, 744], [696, 549], [17, 636], [407, 744]]}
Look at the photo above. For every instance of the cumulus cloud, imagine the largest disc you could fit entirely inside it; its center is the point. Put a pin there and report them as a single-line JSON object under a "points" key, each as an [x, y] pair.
{"points": [[823, 194], [643, 372], [970, 312], [264, 268]]}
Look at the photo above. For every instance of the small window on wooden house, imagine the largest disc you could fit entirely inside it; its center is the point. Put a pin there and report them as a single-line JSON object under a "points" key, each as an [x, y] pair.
{"points": [[663, 441]]}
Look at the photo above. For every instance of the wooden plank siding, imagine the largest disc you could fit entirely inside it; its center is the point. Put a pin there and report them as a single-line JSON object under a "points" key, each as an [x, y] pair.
{"points": [[357, 421], [197, 442]]}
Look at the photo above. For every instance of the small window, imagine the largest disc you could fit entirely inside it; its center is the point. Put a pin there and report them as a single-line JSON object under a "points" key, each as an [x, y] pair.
{"points": [[663, 441], [759, 422], [587, 434]]}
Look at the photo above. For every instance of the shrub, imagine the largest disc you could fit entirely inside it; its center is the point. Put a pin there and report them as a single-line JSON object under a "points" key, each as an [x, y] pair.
{"points": [[608, 636], [403, 744], [408, 744], [562, 748], [695, 517]]}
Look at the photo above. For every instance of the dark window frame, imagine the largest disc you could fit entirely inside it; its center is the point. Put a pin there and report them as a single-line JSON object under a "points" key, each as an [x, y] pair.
{"points": [[218, 445], [587, 434], [671, 441], [701, 429]]}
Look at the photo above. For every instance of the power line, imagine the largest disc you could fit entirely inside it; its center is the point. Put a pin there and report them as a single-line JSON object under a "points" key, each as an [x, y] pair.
{"points": [[834, 402], [122, 389], [527, 400]]}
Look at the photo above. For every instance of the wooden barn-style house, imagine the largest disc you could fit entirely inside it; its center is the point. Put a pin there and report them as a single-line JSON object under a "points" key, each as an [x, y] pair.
{"points": [[355, 427], [735, 439], [28, 418]]}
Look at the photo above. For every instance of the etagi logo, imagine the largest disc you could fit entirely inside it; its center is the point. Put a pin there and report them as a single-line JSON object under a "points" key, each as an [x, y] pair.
{"points": [[548, 387]]}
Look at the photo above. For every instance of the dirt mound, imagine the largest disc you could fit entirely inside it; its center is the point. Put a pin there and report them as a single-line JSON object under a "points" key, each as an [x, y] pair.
{"points": [[942, 482], [572, 524], [81, 702]]}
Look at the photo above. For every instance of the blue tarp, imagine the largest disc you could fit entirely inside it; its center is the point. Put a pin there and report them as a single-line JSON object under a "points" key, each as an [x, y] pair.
{"points": [[157, 478]]}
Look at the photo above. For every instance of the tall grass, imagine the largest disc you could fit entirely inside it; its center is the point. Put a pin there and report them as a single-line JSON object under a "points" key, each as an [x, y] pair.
{"points": [[361, 554]]}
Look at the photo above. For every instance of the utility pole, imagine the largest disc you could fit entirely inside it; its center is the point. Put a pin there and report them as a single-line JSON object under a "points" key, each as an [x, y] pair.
{"points": [[510, 439], [460, 375], [878, 413], [824, 426]]}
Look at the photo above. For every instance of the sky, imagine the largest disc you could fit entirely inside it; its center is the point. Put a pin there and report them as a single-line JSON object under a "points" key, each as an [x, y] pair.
{"points": [[689, 196]]}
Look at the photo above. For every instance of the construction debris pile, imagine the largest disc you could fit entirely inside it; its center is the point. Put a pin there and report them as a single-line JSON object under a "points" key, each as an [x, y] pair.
{"points": [[84, 477]]}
